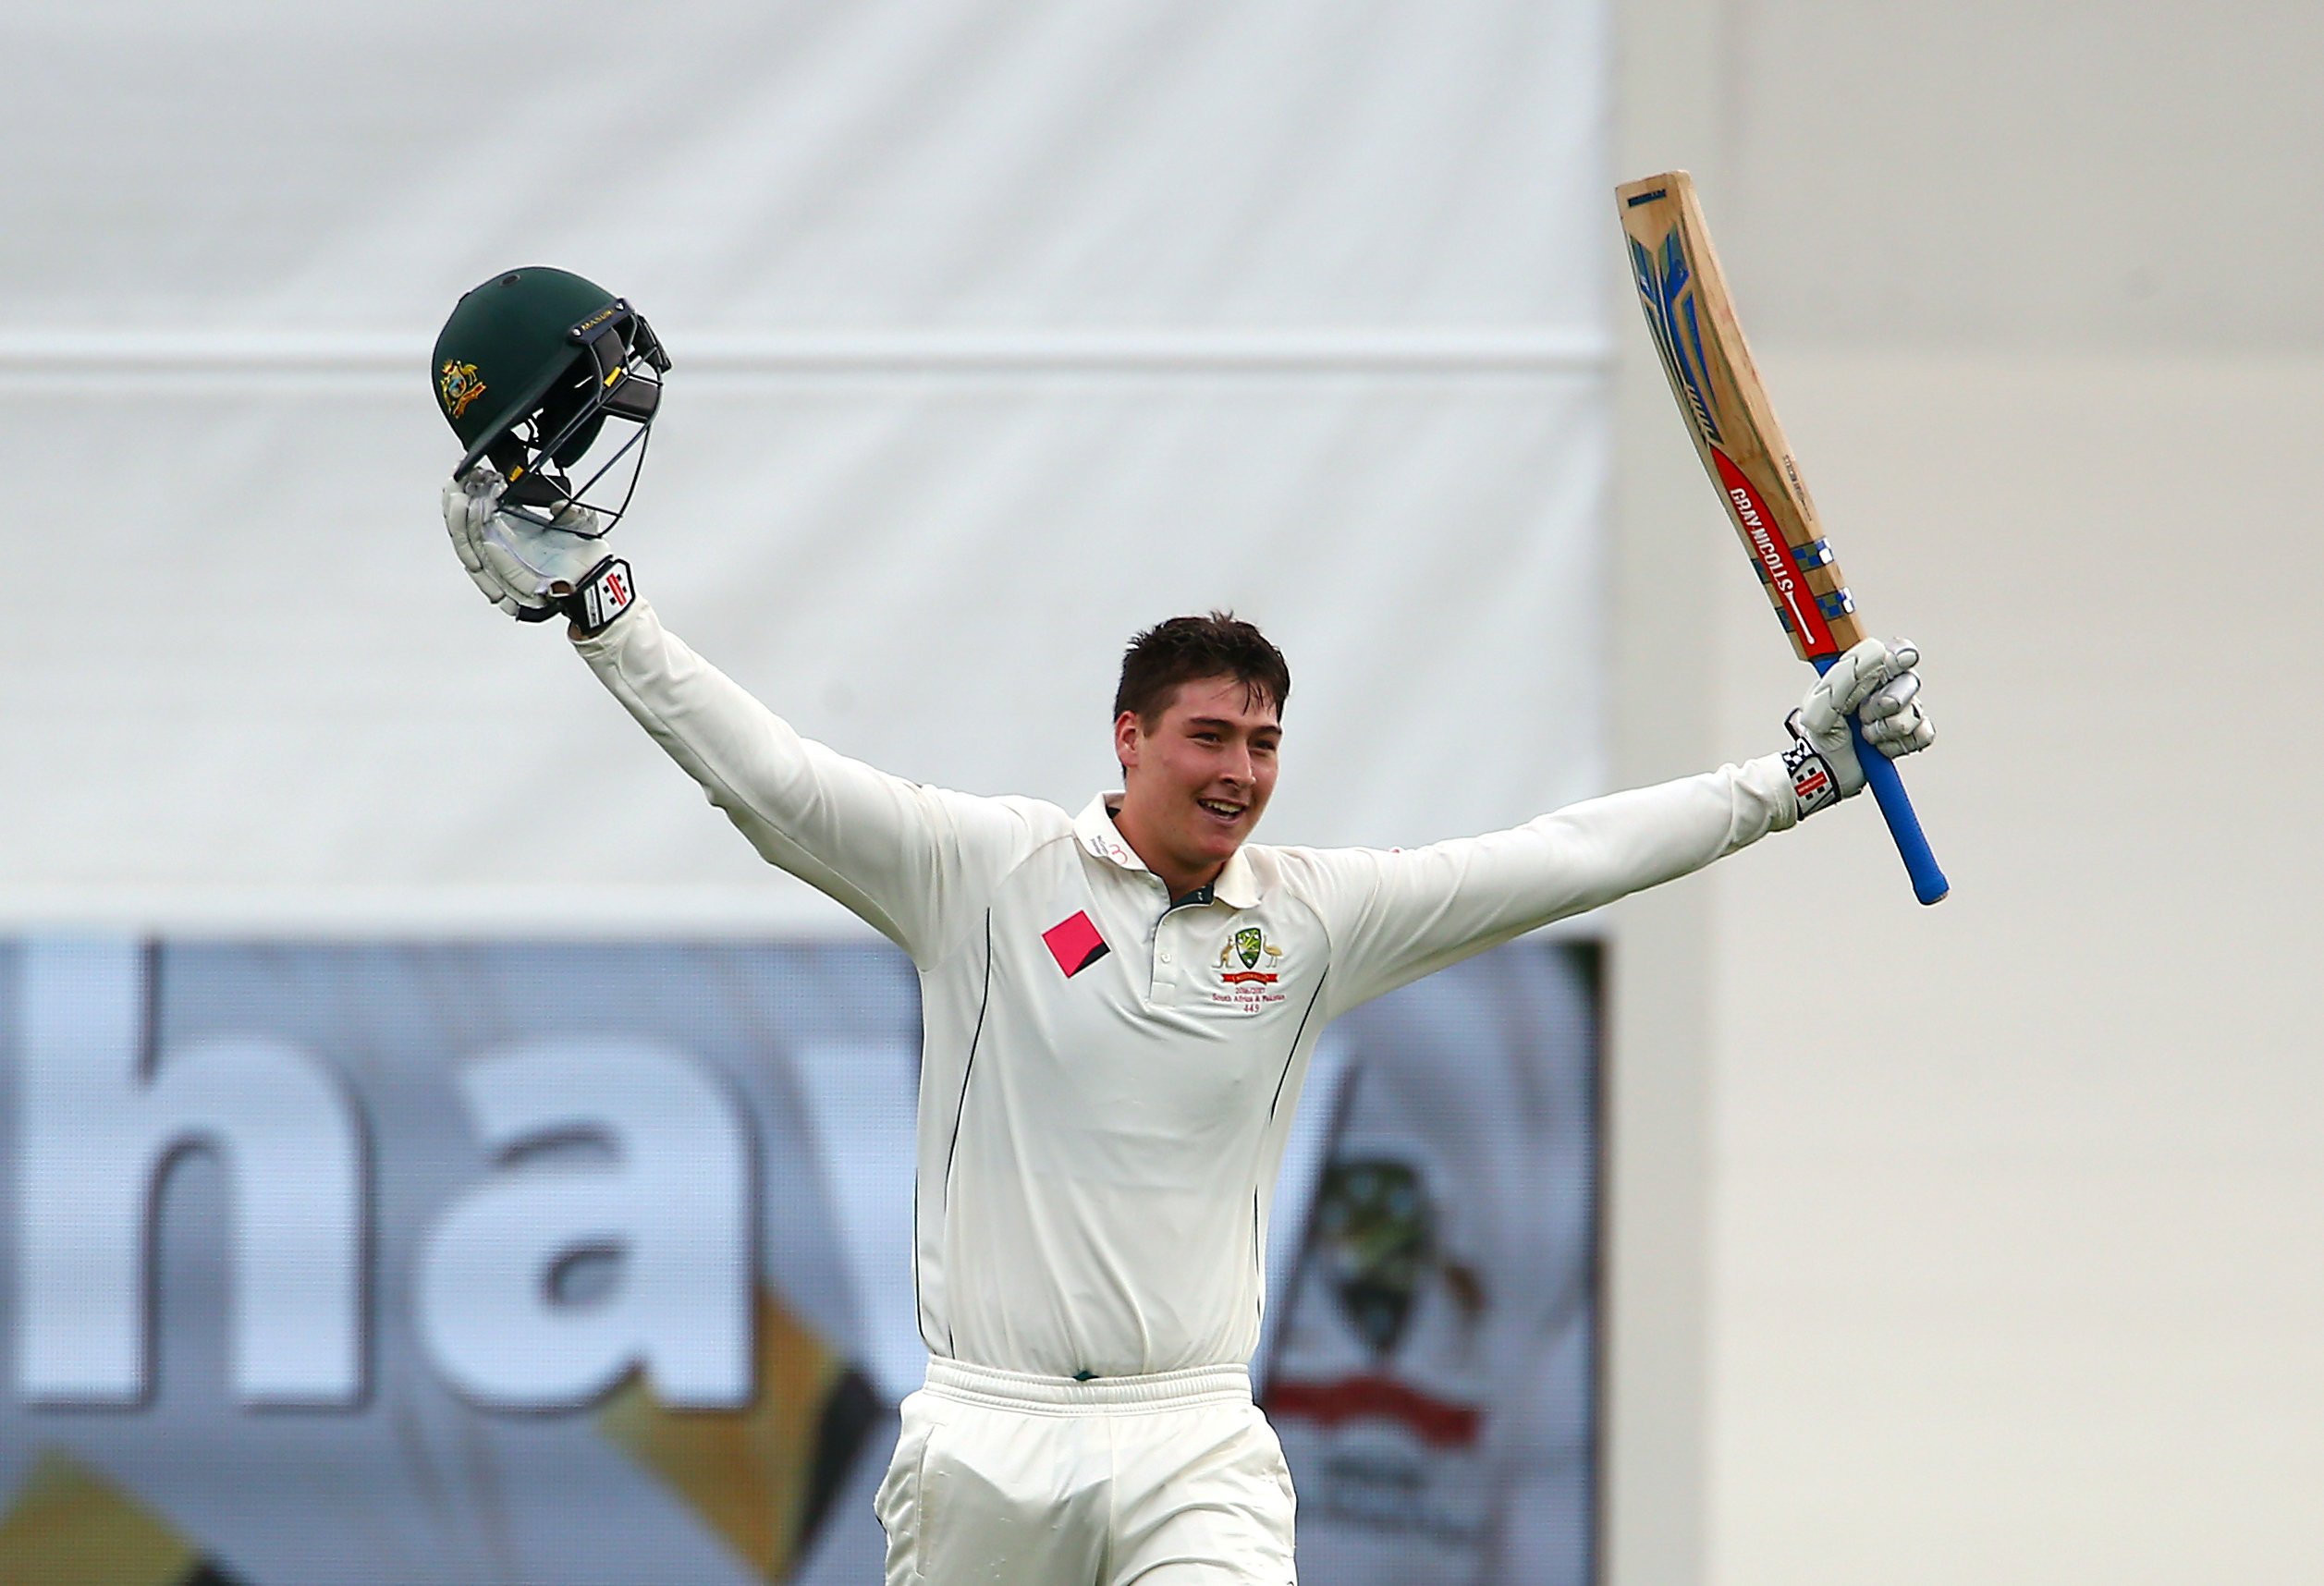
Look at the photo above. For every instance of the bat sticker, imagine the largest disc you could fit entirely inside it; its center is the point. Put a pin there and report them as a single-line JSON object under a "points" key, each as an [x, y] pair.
{"points": [[1666, 290]]}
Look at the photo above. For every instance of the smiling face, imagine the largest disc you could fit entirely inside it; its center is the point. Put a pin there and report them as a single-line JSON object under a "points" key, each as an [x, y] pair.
{"points": [[1197, 778]]}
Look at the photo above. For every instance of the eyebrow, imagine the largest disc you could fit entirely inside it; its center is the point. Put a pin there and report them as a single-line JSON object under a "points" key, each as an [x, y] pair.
{"points": [[1275, 727]]}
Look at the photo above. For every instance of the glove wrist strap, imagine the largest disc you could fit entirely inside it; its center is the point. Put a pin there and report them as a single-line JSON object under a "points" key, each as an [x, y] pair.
{"points": [[601, 596], [1813, 783]]}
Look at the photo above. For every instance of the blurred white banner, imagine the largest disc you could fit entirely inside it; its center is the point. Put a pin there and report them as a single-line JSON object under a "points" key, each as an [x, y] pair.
{"points": [[1000, 332]]}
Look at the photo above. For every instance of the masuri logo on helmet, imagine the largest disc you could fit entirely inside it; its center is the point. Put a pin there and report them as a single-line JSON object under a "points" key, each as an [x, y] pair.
{"points": [[563, 355]]}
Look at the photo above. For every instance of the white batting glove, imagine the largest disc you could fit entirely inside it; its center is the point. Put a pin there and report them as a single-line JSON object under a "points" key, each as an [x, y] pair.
{"points": [[1877, 684], [533, 568]]}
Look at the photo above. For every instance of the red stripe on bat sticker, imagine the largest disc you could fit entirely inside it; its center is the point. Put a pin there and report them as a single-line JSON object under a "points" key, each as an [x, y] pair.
{"points": [[1775, 557]]}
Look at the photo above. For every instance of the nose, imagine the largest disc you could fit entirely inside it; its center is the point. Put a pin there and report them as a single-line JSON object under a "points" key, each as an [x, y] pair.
{"points": [[1237, 768]]}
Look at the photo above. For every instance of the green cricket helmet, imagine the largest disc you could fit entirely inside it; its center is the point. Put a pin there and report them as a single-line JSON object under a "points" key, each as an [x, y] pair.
{"points": [[529, 369]]}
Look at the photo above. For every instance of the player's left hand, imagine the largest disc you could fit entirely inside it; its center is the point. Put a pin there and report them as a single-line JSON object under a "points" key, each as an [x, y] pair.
{"points": [[1875, 683], [524, 564]]}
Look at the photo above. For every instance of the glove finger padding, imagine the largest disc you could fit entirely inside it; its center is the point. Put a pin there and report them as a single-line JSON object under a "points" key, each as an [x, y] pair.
{"points": [[1858, 674], [1898, 735], [455, 524], [1875, 684], [468, 506], [1890, 718], [521, 562], [1889, 698]]}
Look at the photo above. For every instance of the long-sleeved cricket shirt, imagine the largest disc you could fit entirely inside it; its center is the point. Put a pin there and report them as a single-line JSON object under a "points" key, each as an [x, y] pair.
{"points": [[1106, 1080]]}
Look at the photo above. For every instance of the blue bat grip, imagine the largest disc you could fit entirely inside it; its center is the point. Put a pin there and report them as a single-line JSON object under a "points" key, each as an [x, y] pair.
{"points": [[1888, 789]]}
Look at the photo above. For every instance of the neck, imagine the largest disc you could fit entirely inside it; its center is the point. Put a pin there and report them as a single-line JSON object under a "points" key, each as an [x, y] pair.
{"points": [[1177, 879]]}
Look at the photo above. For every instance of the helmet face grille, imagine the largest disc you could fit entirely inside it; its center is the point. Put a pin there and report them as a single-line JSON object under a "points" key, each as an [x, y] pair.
{"points": [[531, 367], [572, 415]]}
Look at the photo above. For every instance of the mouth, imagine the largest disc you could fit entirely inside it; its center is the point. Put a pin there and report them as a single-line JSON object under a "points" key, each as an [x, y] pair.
{"points": [[1223, 812]]}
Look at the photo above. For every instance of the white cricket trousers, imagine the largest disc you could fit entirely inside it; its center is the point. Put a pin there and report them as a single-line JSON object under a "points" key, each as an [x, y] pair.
{"points": [[1002, 1479]]}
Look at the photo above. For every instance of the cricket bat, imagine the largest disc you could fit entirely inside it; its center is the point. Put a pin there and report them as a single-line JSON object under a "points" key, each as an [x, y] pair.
{"points": [[1734, 424]]}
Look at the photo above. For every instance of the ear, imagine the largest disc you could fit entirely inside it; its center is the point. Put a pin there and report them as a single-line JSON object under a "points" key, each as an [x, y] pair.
{"points": [[1129, 739]]}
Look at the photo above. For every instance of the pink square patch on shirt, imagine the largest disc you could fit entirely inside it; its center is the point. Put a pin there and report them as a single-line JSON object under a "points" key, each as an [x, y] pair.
{"points": [[1075, 944]]}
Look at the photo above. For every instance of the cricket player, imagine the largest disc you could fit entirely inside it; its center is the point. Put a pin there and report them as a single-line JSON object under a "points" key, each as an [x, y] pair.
{"points": [[1118, 1005]]}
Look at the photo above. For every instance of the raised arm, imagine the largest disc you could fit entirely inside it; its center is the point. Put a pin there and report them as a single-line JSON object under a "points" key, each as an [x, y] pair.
{"points": [[913, 861], [1396, 916], [907, 859]]}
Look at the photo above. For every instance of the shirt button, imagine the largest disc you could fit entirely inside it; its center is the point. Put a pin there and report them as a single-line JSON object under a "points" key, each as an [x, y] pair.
{"points": [[1166, 957]]}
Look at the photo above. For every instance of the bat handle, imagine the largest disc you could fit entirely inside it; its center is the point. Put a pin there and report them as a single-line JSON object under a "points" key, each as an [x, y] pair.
{"points": [[1888, 789]]}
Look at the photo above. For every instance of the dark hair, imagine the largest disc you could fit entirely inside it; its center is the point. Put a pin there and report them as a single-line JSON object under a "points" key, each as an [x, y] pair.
{"points": [[1186, 647]]}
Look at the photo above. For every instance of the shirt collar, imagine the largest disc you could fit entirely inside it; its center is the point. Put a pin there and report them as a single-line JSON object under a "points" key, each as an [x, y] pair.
{"points": [[1237, 885]]}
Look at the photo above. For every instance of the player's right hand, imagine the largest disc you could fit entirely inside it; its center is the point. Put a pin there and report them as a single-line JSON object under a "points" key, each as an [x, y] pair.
{"points": [[524, 564], [1875, 684]]}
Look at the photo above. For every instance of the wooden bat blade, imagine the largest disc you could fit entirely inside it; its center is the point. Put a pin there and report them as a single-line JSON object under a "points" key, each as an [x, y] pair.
{"points": [[1719, 391], [1683, 293]]}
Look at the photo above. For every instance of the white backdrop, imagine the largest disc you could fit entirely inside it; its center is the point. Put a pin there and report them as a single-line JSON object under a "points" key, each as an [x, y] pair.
{"points": [[1000, 331], [2016, 1273]]}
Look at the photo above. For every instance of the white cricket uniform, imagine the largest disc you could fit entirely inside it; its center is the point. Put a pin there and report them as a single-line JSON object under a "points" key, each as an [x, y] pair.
{"points": [[1107, 1082]]}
